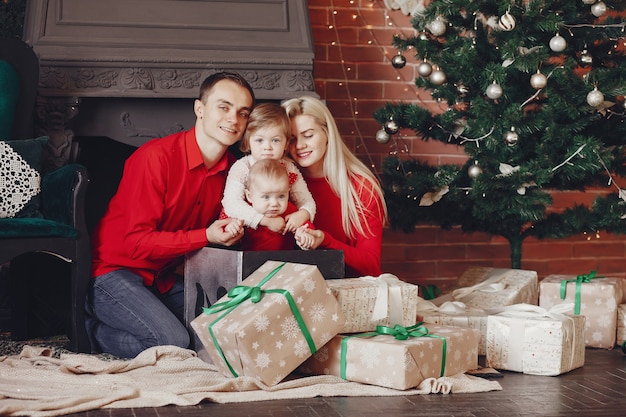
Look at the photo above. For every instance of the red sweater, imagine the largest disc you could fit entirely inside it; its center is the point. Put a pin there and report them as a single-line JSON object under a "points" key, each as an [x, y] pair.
{"points": [[262, 238], [166, 199], [361, 254]]}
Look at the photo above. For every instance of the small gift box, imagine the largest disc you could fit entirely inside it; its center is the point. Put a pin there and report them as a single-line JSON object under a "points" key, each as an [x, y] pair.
{"points": [[455, 313], [368, 302], [280, 315], [397, 357], [621, 324], [530, 339], [594, 297], [486, 287]]}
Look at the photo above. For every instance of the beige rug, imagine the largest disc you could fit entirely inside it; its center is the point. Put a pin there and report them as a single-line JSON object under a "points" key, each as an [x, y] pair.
{"points": [[34, 383]]}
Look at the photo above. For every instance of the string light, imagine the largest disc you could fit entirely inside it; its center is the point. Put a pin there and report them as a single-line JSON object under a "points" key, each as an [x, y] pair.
{"points": [[357, 16]]}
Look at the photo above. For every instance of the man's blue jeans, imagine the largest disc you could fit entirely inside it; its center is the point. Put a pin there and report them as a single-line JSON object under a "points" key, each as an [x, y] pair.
{"points": [[125, 317]]}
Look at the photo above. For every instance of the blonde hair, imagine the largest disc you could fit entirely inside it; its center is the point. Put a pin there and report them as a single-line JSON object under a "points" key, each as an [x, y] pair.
{"points": [[341, 167], [267, 170], [264, 115]]}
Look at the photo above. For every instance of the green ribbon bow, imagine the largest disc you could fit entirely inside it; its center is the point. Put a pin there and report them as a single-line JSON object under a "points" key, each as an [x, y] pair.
{"points": [[579, 280], [239, 294], [399, 333], [431, 291]]}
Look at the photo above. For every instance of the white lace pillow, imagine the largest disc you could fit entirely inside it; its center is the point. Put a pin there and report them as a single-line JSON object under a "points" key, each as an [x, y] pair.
{"points": [[19, 182]]}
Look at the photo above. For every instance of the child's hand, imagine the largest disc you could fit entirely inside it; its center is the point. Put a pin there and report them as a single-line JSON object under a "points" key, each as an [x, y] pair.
{"points": [[234, 227], [295, 220], [275, 224]]}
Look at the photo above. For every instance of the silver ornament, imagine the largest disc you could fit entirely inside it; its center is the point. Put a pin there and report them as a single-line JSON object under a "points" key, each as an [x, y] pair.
{"points": [[507, 22], [511, 137], [391, 127], [424, 69], [558, 43], [474, 170], [538, 81], [437, 27], [595, 97], [382, 136], [398, 61], [589, 1], [437, 77], [598, 9], [494, 91], [585, 59]]}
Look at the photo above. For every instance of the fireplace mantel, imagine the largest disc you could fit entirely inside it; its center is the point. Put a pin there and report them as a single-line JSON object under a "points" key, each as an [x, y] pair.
{"points": [[120, 50]]}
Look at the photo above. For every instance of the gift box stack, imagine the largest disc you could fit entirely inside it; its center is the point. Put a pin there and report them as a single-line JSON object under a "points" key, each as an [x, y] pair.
{"points": [[478, 291], [255, 330], [515, 333], [389, 347], [596, 298]]}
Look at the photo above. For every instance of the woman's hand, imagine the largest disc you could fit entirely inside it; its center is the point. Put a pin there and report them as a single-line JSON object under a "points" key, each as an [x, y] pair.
{"points": [[308, 238]]}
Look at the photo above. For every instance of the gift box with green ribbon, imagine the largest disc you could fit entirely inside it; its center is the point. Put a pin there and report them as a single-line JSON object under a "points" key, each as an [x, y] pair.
{"points": [[264, 328], [397, 357], [486, 287], [371, 301], [532, 340], [590, 295]]}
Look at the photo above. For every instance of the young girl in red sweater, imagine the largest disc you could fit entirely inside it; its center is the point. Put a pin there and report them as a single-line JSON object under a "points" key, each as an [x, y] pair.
{"points": [[351, 209]]}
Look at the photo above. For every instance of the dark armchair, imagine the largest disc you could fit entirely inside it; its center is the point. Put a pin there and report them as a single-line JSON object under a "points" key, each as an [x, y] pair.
{"points": [[56, 225], [51, 220]]}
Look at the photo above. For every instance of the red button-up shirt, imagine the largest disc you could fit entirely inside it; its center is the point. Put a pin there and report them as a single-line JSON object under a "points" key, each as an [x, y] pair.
{"points": [[166, 199]]}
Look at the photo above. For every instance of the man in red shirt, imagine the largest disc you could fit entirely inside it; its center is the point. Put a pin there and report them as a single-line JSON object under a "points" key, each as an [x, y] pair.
{"points": [[167, 205]]}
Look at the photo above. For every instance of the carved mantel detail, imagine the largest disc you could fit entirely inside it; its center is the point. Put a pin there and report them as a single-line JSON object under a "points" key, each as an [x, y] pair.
{"points": [[163, 82]]}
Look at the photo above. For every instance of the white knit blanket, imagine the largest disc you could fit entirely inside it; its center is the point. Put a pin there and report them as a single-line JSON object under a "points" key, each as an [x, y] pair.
{"points": [[35, 384]]}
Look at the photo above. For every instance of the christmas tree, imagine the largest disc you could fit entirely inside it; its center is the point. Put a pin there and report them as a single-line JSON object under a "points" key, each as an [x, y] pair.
{"points": [[533, 91]]}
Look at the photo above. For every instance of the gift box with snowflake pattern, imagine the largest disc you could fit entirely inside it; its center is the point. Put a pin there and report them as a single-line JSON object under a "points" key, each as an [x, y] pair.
{"points": [[535, 343], [384, 360], [486, 287], [596, 299], [264, 328], [456, 313], [371, 301]]}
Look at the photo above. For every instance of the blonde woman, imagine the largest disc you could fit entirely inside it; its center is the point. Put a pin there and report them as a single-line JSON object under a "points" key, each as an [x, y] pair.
{"points": [[351, 210]]}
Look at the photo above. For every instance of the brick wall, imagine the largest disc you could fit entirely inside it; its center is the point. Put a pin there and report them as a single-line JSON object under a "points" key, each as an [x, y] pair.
{"points": [[354, 75]]}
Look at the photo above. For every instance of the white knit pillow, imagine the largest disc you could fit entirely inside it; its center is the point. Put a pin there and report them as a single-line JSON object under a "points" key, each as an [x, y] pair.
{"points": [[19, 182]]}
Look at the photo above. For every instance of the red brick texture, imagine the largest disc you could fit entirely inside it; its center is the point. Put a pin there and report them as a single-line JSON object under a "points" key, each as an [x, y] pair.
{"points": [[353, 73]]}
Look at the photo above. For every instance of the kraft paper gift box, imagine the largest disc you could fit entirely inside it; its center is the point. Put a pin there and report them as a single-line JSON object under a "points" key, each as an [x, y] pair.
{"points": [[532, 340], [371, 301], [280, 315], [486, 287], [210, 272], [383, 358], [594, 297], [621, 324], [455, 313]]}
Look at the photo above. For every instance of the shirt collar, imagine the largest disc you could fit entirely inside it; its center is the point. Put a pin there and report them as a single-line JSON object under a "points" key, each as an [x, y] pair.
{"points": [[194, 156]]}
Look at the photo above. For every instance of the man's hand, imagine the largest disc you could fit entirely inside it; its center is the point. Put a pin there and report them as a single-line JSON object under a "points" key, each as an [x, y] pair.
{"points": [[295, 220], [225, 232]]}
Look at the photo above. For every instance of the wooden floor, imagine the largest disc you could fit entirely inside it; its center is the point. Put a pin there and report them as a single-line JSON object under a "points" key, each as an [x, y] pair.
{"points": [[597, 389]]}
